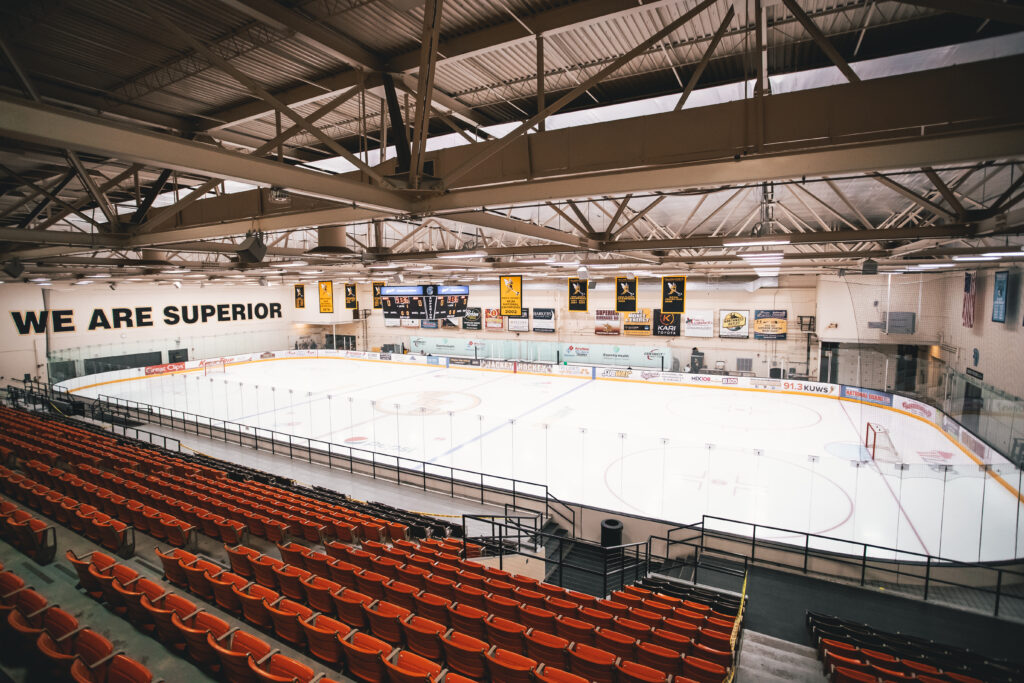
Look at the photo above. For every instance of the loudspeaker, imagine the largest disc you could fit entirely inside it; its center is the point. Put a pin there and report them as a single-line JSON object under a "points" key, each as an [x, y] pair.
{"points": [[252, 250], [591, 284], [869, 267], [355, 314], [14, 268]]}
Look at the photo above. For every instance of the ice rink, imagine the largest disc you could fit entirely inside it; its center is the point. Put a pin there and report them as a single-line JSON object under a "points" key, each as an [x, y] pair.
{"points": [[670, 452]]}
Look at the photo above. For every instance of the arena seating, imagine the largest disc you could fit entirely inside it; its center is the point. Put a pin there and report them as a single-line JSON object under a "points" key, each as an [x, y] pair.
{"points": [[53, 644], [32, 536], [851, 652]]}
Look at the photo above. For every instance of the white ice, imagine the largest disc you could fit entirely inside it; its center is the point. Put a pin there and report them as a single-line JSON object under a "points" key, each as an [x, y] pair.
{"points": [[667, 452]]}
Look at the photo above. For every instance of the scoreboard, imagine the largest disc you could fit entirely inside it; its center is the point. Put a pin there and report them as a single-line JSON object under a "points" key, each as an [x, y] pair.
{"points": [[424, 302]]}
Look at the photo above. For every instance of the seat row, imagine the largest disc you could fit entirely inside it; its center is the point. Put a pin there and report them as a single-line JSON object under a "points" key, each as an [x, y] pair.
{"points": [[719, 601], [32, 536], [856, 652], [51, 641]]}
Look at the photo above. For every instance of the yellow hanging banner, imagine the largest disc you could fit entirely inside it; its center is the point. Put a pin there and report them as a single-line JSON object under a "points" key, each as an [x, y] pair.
{"points": [[510, 294]]}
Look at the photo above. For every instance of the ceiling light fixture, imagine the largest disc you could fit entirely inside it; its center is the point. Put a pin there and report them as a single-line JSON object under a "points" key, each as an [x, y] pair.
{"points": [[756, 243], [463, 254], [985, 257]]}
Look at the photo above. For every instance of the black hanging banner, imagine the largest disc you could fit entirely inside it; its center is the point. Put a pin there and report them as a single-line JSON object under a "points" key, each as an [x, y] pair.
{"points": [[300, 296], [625, 295], [578, 294], [376, 294], [350, 296], [673, 294]]}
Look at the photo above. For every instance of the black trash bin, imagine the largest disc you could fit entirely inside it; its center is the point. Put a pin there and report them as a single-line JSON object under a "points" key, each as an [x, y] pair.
{"points": [[611, 533]]}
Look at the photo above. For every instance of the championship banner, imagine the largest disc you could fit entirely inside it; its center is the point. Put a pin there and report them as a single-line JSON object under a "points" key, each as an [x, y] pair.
{"points": [[578, 294], [519, 323], [543, 320], [350, 296], [510, 295], [699, 323], [473, 319], [300, 296], [493, 319], [770, 324], [637, 324], [666, 324], [625, 295], [326, 288], [606, 322], [377, 286], [673, 294], [734, 324]]}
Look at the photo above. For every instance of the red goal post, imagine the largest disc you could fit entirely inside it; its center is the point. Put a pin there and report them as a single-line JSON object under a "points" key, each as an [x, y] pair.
{"points": [[879, 444]]}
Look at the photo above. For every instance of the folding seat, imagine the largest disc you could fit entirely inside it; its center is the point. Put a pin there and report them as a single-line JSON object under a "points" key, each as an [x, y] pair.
{"points": [[193, 631], [581, 599], [841, 675], [223, 595], [337, 550], [344, 573], [561, 606], [506, 634], [616, 609], [92, 587], [256, 523], [24, 622], [345, 532], [447, 571], [704, 671], [465, 654], [113, 535], [173, 564], [434, 607], [131, 598], [263, 570], [652, 619], [198, 575], [424, 561], [80, 519], [631, 672], [122, 574], [892, 676], [575, 630], [423, 636], [627, 598], [592, 663], [235, 651], [658, 607], [672, 640], [719, 640], [161, 612], [509, 667], [348, 605], [551, 674], [360, 558], [683, 628], [396, 531], [721, 623], [523, 581], [231, 531], [319, 592], [440, 586], [387, 566], [384, 619], [547, 648], [698, 607], [659, 657], [831, 659], [596, 617], [408, 667], [498, 587], [501, 606], [401, 594], [364, 657], [241, 559], [872, 656], [620, 644], [275, 531], [371, 583], [528, 597], [90, 650], [293, 553], [289, 581], [535, 617], [918, 668], [633, 628], [317, 563], [470, 595], [413, 575], [208, 522], [637, 590], [286, 616], [371, 531], [323, 638], [254, 599]]}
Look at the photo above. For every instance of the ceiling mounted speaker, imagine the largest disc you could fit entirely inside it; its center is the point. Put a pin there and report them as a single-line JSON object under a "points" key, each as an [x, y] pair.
{"points": [[14, 268], [252, 250], [869, 267]]}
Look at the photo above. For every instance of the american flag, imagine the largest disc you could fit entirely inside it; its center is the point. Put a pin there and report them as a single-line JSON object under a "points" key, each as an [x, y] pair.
{"points": [[970, 290]]}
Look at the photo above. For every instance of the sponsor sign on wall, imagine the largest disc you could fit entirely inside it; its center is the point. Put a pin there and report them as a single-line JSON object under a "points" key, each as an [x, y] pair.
{"points": [[326, 289], [428, 324], [699, 323], [606, 322], [770, 324], [473, 320], [543, 320], [519, 323], [510, 294], [673, 294], [493, 319], [666, 324], [881, 398], [578, 295], [734, 324], [637, 324], [410, 322], [392, 322], [625, 294]]}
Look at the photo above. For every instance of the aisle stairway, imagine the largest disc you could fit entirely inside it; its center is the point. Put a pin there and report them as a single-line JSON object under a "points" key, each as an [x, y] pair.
{"points": [[765, 659]]}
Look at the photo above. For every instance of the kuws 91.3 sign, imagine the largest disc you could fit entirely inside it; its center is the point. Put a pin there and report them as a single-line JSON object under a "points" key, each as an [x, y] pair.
{"points": [[424, 302]]}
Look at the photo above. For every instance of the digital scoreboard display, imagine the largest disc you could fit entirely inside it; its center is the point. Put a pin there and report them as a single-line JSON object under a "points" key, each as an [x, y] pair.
{"points": [[424, 302]]}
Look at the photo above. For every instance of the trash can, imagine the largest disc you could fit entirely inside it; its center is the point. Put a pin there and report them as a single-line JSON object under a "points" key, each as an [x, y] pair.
{"points": [[611, 533]]}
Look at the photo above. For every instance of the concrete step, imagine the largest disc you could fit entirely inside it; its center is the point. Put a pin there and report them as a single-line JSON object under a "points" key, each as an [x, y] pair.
{"points": [[764, 658]]}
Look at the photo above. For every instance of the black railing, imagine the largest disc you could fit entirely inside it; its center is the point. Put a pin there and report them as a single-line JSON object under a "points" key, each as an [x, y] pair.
{"points": [[619, 565], [487, 489], [898, 570]]}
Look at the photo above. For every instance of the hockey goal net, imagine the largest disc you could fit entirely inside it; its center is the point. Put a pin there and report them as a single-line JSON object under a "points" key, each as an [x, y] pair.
{"points": [[879, 444], [215, 367]]}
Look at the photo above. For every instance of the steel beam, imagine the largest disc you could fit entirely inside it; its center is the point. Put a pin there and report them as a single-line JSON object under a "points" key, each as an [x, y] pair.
{"points": [[705, 59], [983, 9], [823, 42], [515, 226]]}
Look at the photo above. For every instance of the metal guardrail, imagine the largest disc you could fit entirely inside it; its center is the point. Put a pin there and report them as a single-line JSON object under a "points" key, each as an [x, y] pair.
{"points": [[426, 476], [873, 564]]}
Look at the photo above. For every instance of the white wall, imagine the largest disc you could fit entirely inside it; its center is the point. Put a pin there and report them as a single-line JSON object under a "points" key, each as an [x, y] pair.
{"points": [[847, 304]]}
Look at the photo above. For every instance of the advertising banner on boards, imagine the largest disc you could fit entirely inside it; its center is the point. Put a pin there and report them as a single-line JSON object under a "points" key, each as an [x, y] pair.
{"points": [[473, 320], [770, 324], [666, 324], [699, 323], [510, 294], [326, 289], [543, 320], [606, 322], [625, 295], [578, 294], [637, 324], [734, 324], [673, 294]]}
